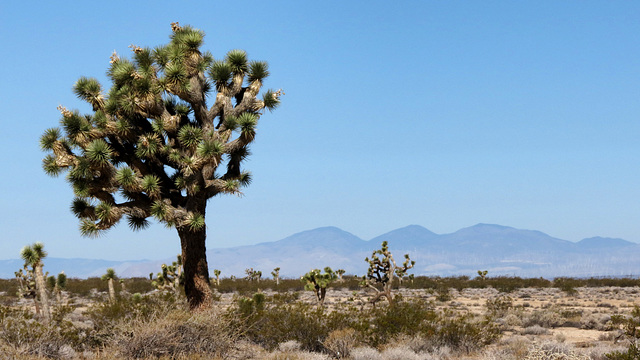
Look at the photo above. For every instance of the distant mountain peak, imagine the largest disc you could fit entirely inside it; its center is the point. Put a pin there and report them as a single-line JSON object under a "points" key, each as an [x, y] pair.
{"points": [[603, 242], [406, 237], [490, 226]]}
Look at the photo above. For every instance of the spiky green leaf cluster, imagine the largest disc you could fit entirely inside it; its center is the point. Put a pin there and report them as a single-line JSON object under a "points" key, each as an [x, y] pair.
{"points": [[109, 275], [33, 254], [158, 137], [317, 279]]}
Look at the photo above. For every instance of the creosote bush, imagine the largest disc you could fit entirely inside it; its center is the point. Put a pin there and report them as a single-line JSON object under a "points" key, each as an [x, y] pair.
{"points": [[317, 329]]}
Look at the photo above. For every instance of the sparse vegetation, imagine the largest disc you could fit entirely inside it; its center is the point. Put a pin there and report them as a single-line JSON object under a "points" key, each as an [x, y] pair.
{"points": [[268, 321]]}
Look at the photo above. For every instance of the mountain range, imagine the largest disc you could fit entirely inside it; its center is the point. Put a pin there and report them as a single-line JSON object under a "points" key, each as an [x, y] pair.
{"points": [[501, 250]]}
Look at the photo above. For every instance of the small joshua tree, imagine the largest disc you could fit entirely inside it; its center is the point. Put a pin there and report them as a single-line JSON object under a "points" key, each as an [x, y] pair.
{"points": [[32, 256], [382, 270], [340, 272], [27, 286], [483, 274], [252, 275], [123, 286], [110, 277], [57, 284], [217, 273], [170, 276], [316, 281], [276, 275]]}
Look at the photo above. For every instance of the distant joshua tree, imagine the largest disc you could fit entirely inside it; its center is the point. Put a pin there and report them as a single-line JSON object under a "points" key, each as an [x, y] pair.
{"points": [[276, 275], [382, 270], [217, 273], [317, 281], [57, 284], [110, 277], [32, 256], [483, 274], [253, 275], [170, 277]]}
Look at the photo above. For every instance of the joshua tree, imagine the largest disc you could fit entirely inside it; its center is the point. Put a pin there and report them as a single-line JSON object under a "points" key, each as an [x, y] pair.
{"points": [[252, 274], [217, 273], [340, 272], [32, 256], [316, 281], [170, 277], [483, 274], [276, 275], [110, 277], [154, 144], [123, 286], [27, 286], [57, 284], [382, 270]]}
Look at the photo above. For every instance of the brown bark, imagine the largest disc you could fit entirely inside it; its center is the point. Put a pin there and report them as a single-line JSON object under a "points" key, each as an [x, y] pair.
{"points": [[196, 270]]}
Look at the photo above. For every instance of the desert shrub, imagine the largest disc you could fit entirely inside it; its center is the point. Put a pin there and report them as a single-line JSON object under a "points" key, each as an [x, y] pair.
{"points": [[380, 325], [465, 333], [632, 353], [9, 288], [511, 320], [618, 282], [499, 306], [275, 324], [174, 334], [594, 321], [83, 287], [285, 297], [400, 353], [547, 318], [340, 342], [104, 314], [289, 346], [535, 330], [568, 285], [553, 350], [365, 353], [300, 355], [138, 285], [443, 293], [24, 336], [245, 287]]}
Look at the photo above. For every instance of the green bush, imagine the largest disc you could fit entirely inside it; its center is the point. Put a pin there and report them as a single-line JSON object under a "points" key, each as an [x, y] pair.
{"points": [[632, 353]]}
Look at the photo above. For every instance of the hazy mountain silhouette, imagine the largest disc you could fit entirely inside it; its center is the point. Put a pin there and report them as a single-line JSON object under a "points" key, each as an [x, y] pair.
{"points": [[501, 250]]}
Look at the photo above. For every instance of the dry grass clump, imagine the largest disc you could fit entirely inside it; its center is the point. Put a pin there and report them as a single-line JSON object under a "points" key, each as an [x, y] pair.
{"points": [[176, 334], [340, 342], [546, 318], [590, 320], [535, 330], [553, 351], [21, 335]]}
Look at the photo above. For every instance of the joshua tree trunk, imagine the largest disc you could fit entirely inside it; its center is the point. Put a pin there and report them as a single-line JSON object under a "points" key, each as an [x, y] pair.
{"points": [[42, 290], [177, 279], [59, 296], [196, 270], [112, 290]]}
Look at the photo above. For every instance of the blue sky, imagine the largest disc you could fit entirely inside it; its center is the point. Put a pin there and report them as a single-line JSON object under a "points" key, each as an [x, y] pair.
{"points": [[438, 113]]}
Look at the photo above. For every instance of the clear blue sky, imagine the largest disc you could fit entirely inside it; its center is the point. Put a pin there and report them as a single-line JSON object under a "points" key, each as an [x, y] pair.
{"points": [[437, 113]]}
